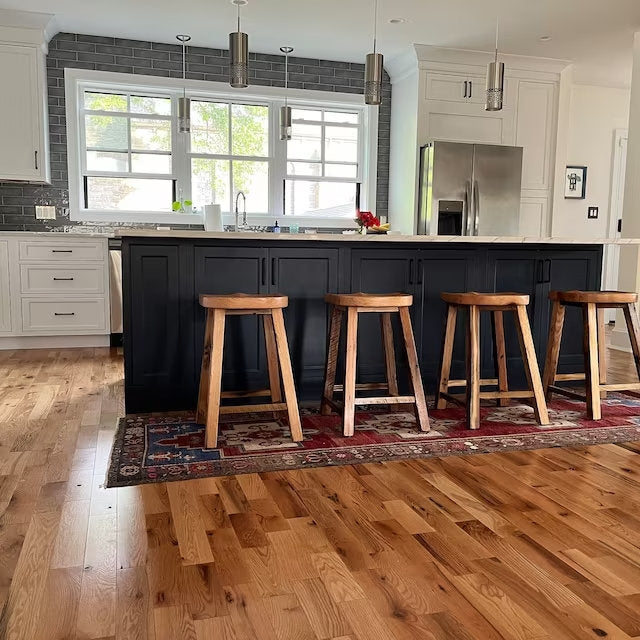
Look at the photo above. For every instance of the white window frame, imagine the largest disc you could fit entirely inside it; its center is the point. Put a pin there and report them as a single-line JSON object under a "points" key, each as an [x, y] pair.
{"points": [[79, 80]]}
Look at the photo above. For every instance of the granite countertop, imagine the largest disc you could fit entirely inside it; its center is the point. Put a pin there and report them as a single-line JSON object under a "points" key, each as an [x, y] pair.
{"points": [[334, 237]]}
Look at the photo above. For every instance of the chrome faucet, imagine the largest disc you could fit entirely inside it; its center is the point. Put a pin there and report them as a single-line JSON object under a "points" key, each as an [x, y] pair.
{"points": [[244, 212]]}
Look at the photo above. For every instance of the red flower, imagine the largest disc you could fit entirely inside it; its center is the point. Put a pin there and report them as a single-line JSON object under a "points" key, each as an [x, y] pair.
{"points": [[367, 219]]}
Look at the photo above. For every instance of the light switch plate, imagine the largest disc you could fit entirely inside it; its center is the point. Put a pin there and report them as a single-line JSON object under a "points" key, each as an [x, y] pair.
{"points": [[45, 212], [592, 212]]}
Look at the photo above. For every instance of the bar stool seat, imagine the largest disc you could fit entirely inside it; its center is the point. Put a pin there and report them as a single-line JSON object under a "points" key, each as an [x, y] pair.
{"points": [[497, 304], [278, 361], [385, 304], [593, 304]]}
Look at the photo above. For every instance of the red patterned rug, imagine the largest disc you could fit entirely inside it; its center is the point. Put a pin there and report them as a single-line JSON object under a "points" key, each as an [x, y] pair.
{"points": [[164, 447]]}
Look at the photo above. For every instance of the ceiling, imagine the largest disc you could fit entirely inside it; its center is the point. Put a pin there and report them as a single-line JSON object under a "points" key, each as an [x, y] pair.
{"points": [[597, 35]]}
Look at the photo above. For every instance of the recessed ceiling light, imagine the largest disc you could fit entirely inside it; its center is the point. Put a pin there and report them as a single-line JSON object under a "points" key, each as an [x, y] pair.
{"points": [[396, 20], [240, 3], [545, 38]]}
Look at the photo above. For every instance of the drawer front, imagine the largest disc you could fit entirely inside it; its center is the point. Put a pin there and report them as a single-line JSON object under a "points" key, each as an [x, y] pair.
{"points": [[67, 251], [61, 279], [64, 316]]}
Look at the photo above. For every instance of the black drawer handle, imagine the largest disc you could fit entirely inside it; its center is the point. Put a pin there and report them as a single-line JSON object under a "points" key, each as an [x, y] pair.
{"points": [[264, 272], [273, 272], [61, 250], [60, 279], [70, 313]]}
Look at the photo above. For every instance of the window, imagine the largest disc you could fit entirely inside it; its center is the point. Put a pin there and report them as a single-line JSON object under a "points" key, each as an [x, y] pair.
{"points": [[323, 162], [128, 162]]}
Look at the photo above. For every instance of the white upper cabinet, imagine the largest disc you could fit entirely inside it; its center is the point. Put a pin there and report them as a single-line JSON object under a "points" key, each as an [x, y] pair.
{"points": [[24, 148], [455, 87], [535, 132]]}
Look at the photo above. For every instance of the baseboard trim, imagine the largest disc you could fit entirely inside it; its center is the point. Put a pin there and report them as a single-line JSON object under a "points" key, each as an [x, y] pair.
{"points": [[52, 342]]}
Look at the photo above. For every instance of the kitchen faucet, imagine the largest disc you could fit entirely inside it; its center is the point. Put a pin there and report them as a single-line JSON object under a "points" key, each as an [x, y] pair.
{"points": [[244, 212]]}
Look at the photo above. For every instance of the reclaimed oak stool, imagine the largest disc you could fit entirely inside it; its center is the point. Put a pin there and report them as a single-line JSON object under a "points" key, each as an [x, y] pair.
{"points": [[593, 304], [497, 304], [355, 304], [278, 360]]}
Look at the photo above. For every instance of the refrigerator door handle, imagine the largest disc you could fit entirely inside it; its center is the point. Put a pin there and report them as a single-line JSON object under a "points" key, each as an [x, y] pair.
{"points": [[468, 209], [476, 208]]}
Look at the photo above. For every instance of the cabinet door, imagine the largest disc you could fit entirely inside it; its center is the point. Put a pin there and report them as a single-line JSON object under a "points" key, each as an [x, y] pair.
{"points": [[228, 270], [5, 306], [520, 272], [438, 271], [564, 271], [455, 87], [533, 216], [306, 276], [386, 271], [21, 114], [155, 356], [535, 132]]}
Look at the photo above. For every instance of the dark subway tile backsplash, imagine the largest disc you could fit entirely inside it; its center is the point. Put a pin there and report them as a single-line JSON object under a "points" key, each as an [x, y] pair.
{"points": [[79, 51]]}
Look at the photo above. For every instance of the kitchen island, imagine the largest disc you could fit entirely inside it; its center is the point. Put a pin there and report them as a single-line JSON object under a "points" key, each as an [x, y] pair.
{"points": [[165, 271]]}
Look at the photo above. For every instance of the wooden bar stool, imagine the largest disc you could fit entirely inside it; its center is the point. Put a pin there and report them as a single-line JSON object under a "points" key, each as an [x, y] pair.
{"points": [[593, 304], [355, 304], [497, 303], [210, 393]]}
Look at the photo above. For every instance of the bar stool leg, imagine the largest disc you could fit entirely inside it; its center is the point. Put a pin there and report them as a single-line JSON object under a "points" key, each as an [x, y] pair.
{"points": [[553, 347], [473, 368], [531, 365], [633, 327], [350, 372], [590, 350], [602, 353], [215, 379], [500, 355], [447, 355], [287, 375], [389, 354], [333, 342], [414, 369], [272, 358], [205, 369]]}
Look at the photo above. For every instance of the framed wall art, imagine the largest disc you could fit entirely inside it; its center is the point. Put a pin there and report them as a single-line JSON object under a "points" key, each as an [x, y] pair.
{"points": [[575, 182]]}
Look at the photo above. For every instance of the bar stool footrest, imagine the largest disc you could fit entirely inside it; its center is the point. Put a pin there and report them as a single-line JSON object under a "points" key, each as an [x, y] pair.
{"points": [[253, 408], [385, 400]]}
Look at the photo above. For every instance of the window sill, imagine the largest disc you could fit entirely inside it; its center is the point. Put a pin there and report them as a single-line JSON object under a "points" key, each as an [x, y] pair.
{"points": [[127, 217], [285, 221]]}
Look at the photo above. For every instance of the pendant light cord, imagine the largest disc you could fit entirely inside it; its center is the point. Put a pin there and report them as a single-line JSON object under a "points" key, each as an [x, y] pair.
{"points": [[184, 68], [286, 77], [238, 5], [497, 24], [375, 25]]}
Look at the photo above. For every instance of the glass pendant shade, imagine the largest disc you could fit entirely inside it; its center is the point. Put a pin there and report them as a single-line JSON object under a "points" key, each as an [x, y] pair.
{"points": [[495, 86], [285, 122], [184, 114], [239, 60], [373, 78]]}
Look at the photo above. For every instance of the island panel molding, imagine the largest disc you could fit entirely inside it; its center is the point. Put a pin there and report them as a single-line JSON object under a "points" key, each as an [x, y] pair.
{"points": [[79, 51]]}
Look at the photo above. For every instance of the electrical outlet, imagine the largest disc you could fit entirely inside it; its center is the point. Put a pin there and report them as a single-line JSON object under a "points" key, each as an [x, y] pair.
{"points": [[47, 212], [592, 212]]}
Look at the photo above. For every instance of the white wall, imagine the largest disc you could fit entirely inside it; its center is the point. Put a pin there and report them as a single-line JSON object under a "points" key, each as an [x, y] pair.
{"points": [[594, 114]]}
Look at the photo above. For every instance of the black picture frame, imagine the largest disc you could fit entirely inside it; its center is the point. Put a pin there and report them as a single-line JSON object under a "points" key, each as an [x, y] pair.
{"points": [[575, 182]]}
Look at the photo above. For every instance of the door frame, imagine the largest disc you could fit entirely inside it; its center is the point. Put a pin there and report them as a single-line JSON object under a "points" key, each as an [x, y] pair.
{"points": [[616, 201]]}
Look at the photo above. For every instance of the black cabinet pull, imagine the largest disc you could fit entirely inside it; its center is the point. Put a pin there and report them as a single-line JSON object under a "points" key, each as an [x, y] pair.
{"points": [[470, 88], [61, 250], [547, 271], [35, 158], [420, 273], [70, 313], [62, 278], [410, 270], [264, 272], [273, 271], [465, 89]]}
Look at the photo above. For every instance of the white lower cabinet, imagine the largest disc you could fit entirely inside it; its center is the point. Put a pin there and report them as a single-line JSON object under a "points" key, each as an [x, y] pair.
{"points": [[53, 287]]}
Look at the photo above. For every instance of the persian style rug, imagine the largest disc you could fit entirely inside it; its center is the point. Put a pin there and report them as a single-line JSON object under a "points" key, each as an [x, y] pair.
{"points": [[165, 447]]}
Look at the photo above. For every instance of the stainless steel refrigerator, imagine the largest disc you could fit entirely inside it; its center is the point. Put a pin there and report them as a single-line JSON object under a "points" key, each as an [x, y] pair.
{"points": [[469, 189]]}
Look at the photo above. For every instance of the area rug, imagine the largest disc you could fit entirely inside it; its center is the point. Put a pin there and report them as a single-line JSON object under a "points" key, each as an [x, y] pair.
{"points": [[165, 447]]}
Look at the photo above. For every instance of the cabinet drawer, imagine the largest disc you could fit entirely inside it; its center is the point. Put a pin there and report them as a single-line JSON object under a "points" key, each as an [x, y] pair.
{"points": [[35, 278], [61, 251], [64, 315]]}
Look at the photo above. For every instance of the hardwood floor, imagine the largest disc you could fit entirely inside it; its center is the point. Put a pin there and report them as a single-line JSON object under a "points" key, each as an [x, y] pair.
{"points": [[529, 545]]}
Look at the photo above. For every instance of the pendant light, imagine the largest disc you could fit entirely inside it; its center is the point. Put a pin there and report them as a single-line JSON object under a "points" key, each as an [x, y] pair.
{"points": [[285, 110], [495, 81], [238, 54], [184, 103], [373, 68]]}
